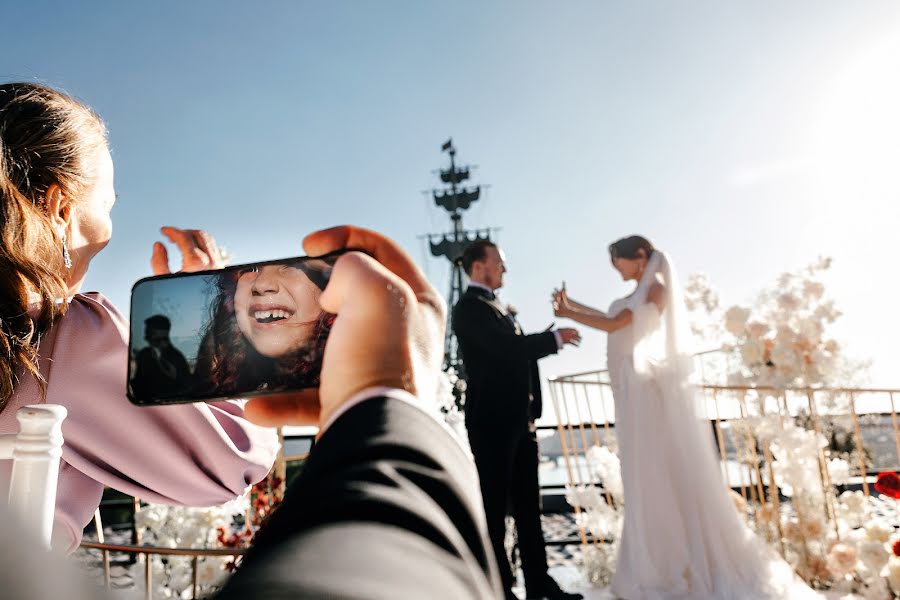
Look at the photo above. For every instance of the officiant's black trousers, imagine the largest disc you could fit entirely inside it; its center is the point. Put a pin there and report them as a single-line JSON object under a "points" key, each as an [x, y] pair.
{"points": [[508, 469]]}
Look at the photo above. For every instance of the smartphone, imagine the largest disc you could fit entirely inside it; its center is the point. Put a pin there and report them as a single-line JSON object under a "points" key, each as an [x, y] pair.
{"points": [[236, 332]]}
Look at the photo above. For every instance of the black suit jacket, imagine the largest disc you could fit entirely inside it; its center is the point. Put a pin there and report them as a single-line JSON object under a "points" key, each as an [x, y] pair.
{"points": [[387, 506], [503, 389]]}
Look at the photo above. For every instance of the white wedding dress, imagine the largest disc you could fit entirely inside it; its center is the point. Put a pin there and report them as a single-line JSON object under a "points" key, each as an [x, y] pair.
{"points": [[682, 536]]}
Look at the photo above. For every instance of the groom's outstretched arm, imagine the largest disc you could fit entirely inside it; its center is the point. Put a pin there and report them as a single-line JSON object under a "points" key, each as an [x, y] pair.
{"points": [[475, 322], [387, 506]]}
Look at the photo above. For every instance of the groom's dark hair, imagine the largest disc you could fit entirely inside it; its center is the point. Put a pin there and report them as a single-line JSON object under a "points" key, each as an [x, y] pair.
{"points": [[474, 252]]}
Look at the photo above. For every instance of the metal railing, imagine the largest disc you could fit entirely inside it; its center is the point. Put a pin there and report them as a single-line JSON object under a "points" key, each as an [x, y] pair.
{"points": [[585, 412], [146, 551]]}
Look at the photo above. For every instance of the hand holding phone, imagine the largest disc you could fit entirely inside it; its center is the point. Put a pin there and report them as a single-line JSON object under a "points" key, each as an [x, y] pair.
{"points": [[388, 331]]}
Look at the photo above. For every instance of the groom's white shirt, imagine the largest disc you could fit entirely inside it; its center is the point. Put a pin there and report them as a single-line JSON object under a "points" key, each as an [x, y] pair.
{"points": [[556, 336], [481, 285]]}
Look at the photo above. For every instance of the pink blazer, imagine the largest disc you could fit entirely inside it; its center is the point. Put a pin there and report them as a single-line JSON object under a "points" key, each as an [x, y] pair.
{"points": [[189, 454]]}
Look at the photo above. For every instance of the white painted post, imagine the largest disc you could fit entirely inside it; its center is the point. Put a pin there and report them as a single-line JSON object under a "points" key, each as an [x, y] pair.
{"points": [[32, 487]]}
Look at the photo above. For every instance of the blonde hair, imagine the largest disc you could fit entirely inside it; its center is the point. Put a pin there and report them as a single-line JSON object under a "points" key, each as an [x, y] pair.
{"points": [[46, 138]]}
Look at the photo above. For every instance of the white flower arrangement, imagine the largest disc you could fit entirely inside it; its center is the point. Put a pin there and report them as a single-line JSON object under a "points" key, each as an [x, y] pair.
{"points": [[603, 520], [782, 341], [185, 527], [605, 465]]}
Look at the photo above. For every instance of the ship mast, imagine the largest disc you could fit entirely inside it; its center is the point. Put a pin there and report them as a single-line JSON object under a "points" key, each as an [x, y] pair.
{"points": [[455, 198]]}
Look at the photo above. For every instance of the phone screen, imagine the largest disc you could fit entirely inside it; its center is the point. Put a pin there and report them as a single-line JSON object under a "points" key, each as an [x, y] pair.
{"points": [[240, 331]]}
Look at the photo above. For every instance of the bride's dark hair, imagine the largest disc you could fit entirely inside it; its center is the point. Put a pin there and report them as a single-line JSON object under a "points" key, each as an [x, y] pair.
{"points": [[628, 247]]}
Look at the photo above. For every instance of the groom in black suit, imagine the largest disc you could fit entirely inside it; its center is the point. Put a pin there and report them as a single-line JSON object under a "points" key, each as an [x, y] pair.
{"points": [[503, 399]]}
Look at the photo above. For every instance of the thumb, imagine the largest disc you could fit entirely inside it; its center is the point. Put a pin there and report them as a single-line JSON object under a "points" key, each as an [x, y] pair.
{"points": [[159, 260], [298, 408]]}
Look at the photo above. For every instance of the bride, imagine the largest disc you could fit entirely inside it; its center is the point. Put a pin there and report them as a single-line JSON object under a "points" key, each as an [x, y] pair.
{"points": [[682, 536]]}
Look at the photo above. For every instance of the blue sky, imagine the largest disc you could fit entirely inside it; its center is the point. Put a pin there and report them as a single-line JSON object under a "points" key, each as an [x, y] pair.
{"points": [[743, 138], [185, 301]]}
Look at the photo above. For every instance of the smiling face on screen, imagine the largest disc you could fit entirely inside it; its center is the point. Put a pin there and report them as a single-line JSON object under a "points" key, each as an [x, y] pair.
{"points": [[276, 308]]}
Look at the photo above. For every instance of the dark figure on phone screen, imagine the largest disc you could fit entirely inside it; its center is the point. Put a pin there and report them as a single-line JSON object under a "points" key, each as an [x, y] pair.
{"points": [[161, 369]]}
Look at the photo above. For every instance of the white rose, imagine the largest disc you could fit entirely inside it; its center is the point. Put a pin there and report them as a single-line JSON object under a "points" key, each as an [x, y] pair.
{"points": [[785, 358], [854, 501], [873, 555], [211, 571], [792, 531], [823, 264], [752, 352], [785, 334], [879, 532], [582, 496], [757, 330], [813, 529], [811, 329], [736, 319], [817, 357], [827, 312], [839, 471], [893, 573], [788, 302], [813, 289], [842, 559]]}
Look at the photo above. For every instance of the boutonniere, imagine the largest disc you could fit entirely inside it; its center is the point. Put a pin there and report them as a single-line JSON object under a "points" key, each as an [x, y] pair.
{"points": [[512, 309]]}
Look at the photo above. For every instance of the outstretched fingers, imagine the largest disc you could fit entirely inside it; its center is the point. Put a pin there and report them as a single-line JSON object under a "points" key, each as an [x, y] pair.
{"points": [[159, 260], [198, 249]]}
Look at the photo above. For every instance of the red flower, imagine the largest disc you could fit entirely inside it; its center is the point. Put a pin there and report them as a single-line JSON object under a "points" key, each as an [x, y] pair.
{"points": [[888, 484], [263, 500], [896, 548]]}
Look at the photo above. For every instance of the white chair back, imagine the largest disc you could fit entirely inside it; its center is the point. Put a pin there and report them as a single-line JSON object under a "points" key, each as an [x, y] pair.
{"points": [[35, 453]]}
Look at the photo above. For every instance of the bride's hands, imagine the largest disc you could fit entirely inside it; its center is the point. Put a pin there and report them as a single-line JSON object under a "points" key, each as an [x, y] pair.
{"points": [[561, 305], [199, 251]]}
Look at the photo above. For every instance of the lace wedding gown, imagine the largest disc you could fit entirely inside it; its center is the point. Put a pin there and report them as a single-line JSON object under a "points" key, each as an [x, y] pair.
{"points": [[682, 536]]}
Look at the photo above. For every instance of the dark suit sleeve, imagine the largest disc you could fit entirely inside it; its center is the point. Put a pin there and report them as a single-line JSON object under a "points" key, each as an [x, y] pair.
{"points": [[478, 324], [387, 506]]}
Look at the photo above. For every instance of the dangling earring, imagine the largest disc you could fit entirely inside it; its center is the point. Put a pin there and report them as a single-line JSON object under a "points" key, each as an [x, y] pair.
{"points": [[67, 260]]}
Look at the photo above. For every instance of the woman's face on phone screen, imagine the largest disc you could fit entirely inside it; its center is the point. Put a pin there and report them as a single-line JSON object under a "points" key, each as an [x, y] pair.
{"points": [[276, 307]]}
